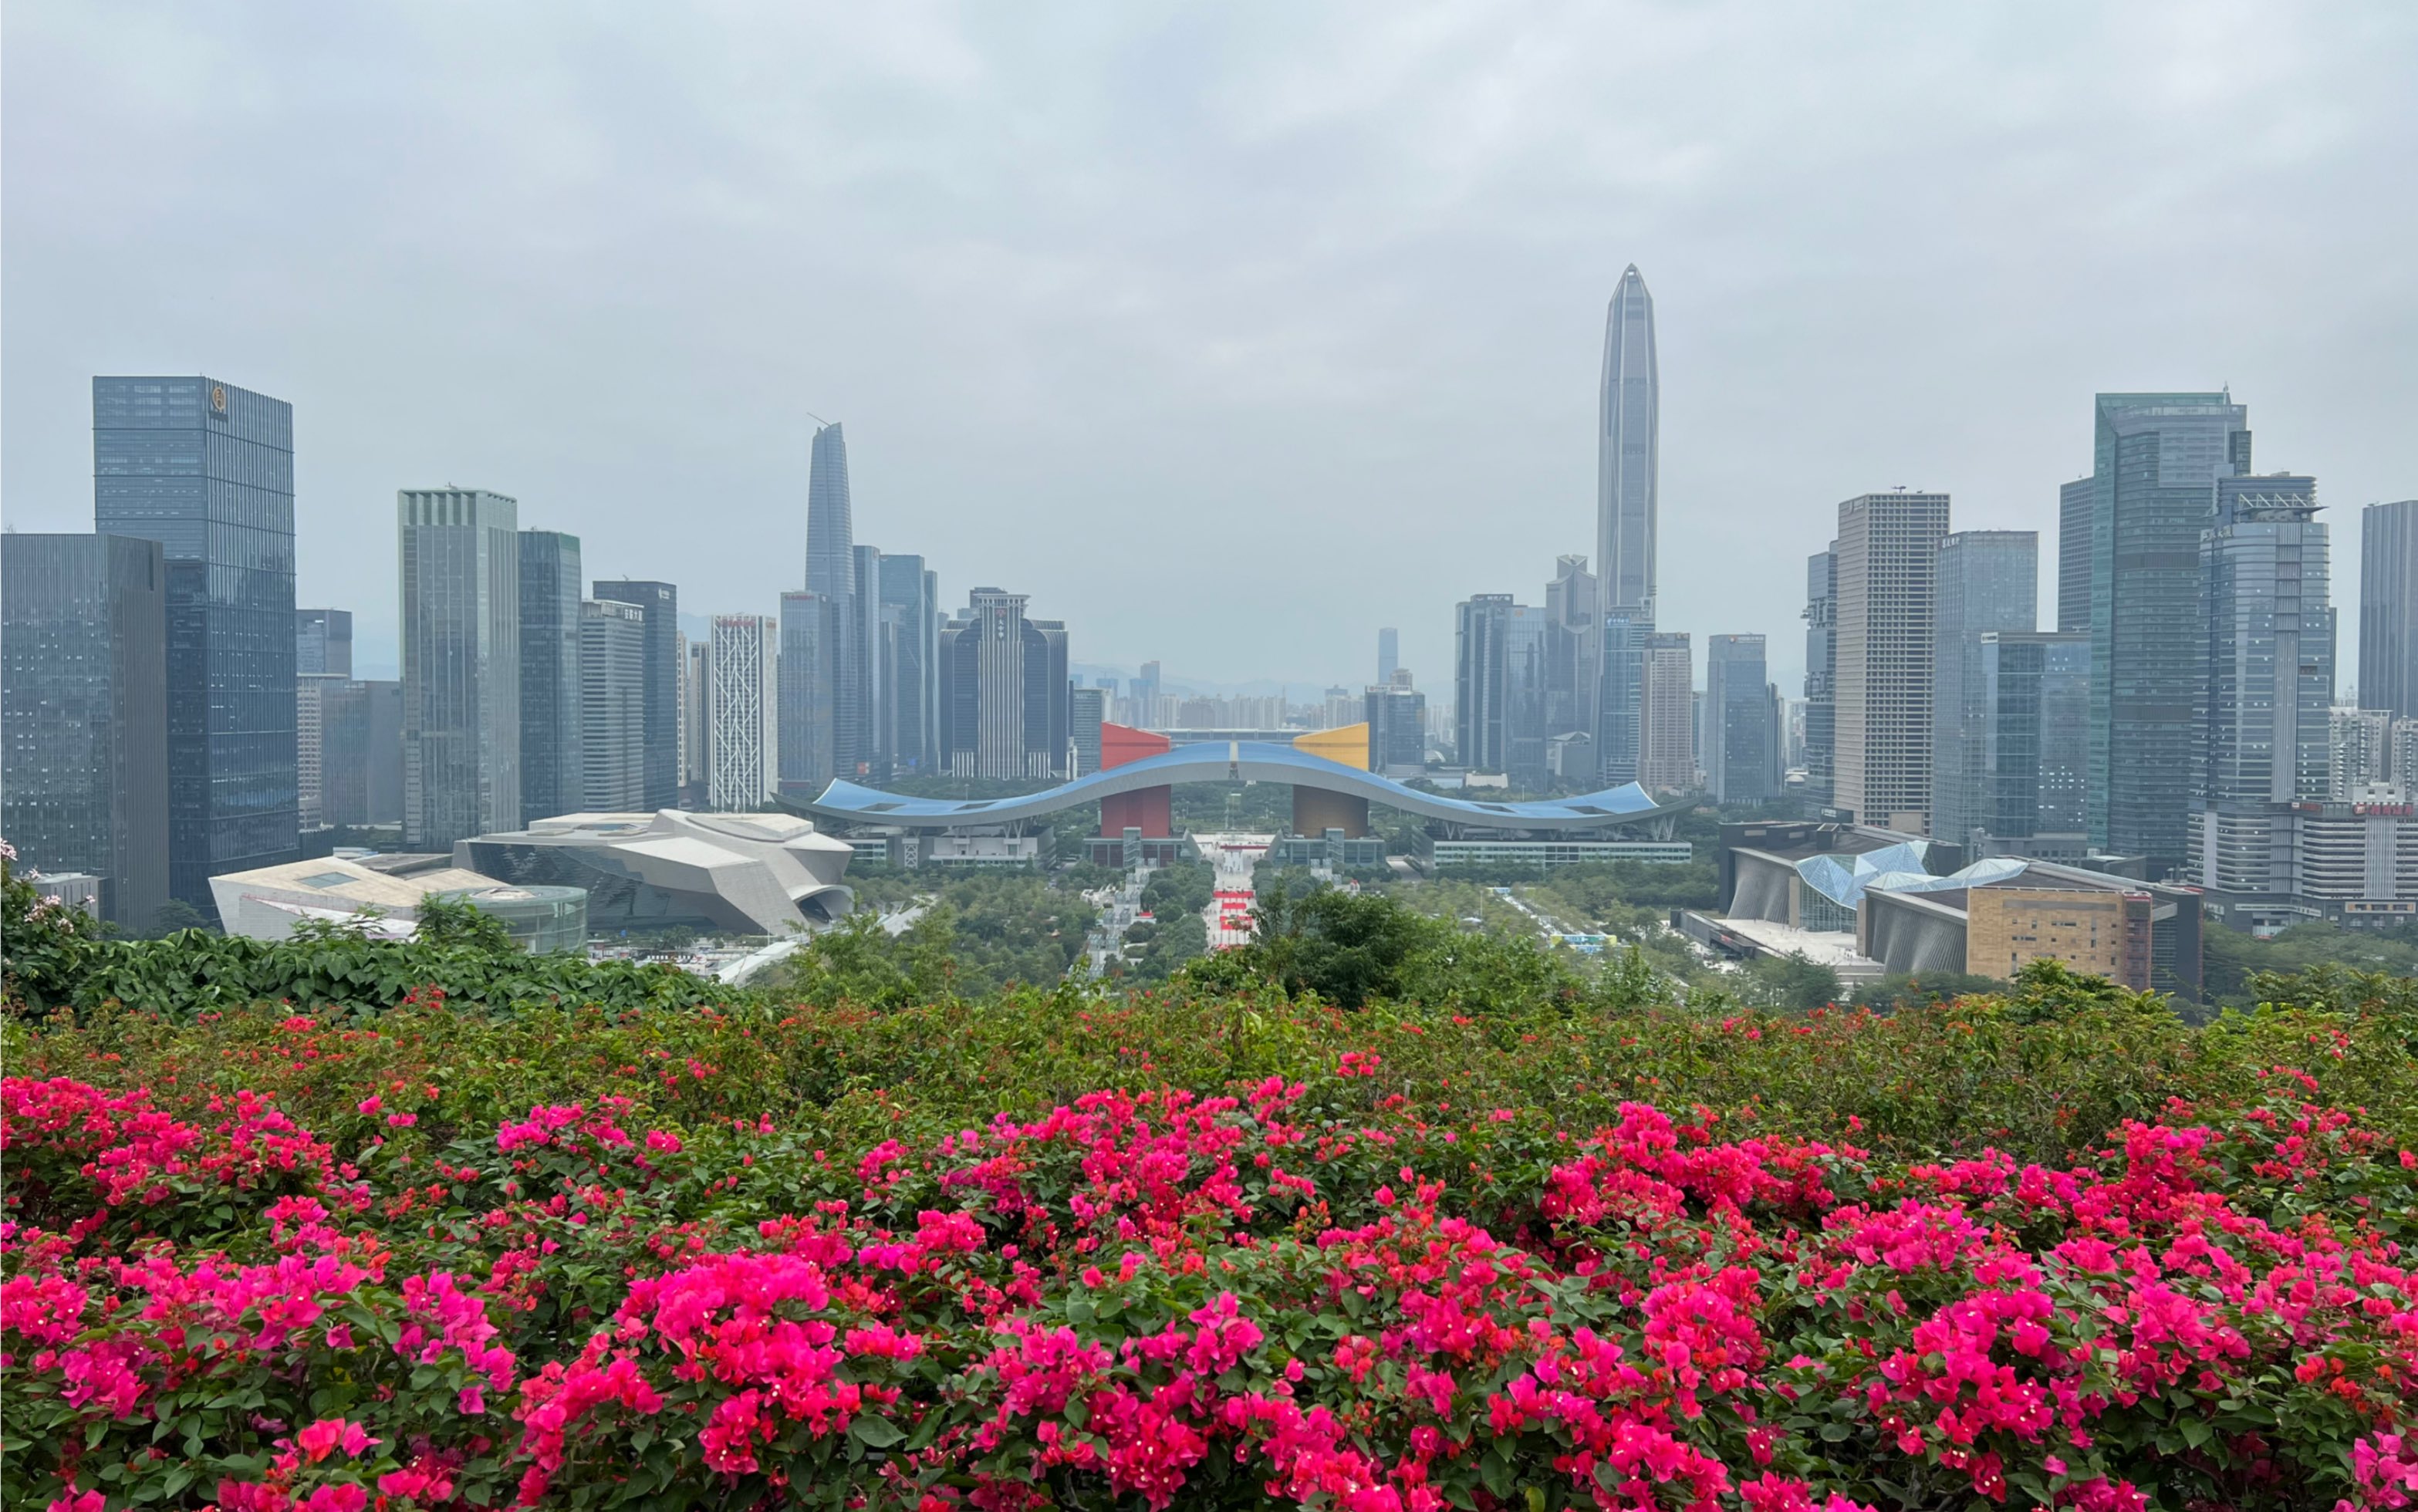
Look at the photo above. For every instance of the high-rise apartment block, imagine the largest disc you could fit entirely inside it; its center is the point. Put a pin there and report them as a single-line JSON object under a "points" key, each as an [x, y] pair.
{"points": [[460, 552], [207, 469], [84, 713], [1821, 675], [554, 772], [1741, 748], [745, 758], [1666, 714], [2359, 752], [2157, 457], [2388, 607], [1887, 576], [1004, 692], [2264, 689], [1988, 582], [612, 707], [660, 603], [2075, 501]]}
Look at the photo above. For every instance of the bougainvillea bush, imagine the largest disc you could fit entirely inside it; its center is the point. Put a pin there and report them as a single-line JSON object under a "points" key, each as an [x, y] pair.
{"points": [[266, 1261]]}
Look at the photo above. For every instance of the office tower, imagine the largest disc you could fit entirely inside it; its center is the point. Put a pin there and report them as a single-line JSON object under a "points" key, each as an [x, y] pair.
{"points": [[2359, 751], [1619, 706], [1888, 571], [1628, 418], [361, 745], [1397, 731], [1526, 638], [1389, 654], [2264, 691], [910, 618], [746, 758], [323, 661], [696, 720], [553, 773], [1666, 714], [460, 556], [660, 603], [1821, 676], [2156, 460], [1145, 691], [84, 713], [1481, 680], [810, 638], [612, 707], [2035, 744], [2073, 513], [1089, 709], [207, 469], [1004, 693], [1741, 722], [2388, 607], [831, 527], [1987, 581], [1574, 643], [865, 722]]}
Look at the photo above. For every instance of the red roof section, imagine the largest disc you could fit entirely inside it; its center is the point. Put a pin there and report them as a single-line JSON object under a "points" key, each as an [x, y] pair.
{"points": [[1120, 743]]}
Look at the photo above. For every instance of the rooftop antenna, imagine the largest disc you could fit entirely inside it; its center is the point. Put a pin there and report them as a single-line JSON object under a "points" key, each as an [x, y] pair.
{"points": [[816, 419]]}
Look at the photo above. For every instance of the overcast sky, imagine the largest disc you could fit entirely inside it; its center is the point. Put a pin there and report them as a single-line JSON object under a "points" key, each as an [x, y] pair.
{"points": [[1228, 333]]}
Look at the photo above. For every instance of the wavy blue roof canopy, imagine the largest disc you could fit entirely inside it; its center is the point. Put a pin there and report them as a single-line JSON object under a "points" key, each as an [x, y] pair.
{"points": [[1898, 868], [1245, 760]]}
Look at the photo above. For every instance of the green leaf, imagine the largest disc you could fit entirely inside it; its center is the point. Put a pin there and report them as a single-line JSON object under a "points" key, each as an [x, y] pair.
{"points": [[874, 1432]]}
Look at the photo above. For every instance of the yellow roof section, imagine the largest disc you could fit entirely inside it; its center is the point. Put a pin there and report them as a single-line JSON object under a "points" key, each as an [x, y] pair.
{"points": [[1346, 745]]}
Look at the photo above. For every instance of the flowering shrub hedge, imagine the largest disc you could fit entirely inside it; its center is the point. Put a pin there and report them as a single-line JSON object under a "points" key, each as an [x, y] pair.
{"points": [[265, 1263]]}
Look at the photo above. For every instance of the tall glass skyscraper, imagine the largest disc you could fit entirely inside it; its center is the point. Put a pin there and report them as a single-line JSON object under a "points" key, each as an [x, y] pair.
{"points": [[1741, 722], [1626, 419], [1821, 674], [1988, 581], [2156, 460], [84, 722], [810, 637], [2036, 744], [1621, 706], [662, 737], [461, 556], [207, 469], [2388, 607], [612, 707], [552, 770], [2263, 715], [2074, 502], [910, 608]]}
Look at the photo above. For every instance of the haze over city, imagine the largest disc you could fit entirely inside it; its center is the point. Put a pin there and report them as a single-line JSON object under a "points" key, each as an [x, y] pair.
{"points": [[1231, 336]]}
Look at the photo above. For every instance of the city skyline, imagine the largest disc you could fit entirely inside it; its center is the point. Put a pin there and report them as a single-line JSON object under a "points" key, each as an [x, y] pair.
{"points": [[1009, 394]]}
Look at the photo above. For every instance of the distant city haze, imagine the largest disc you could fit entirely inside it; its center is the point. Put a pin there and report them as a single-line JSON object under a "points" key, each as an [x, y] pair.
{"points": [[1229, 337]]}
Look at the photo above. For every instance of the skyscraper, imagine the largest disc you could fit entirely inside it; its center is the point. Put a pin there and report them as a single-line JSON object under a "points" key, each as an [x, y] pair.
{"points": [[1526, 696], [661, 604], [2388, 607], [1004, 692], [1988, 581], [1666, 714], [1888, 574], [747, 760], [910, 639], [810, 637], [1397, 731], [1821, 676], [323, 662], [1574, 645], [2265, 684], [1628, 418], [1741, 722], [2075, 503], [866, 729], [207, 469], [1389, 654], [461, 556], [83, 722], [1089, 709], [1499, 687], [2036, 744], [553, 773], [1145, 696], [1620, 708], [696, 720], [2156, 460], [612, 707], [831, 526]]}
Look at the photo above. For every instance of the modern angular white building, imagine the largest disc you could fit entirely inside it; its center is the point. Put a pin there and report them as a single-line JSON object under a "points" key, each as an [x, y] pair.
{"points": [[750, 874]]}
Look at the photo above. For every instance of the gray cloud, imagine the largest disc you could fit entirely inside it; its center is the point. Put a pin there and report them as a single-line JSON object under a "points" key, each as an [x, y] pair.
{"points": [[1228, 333]]}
